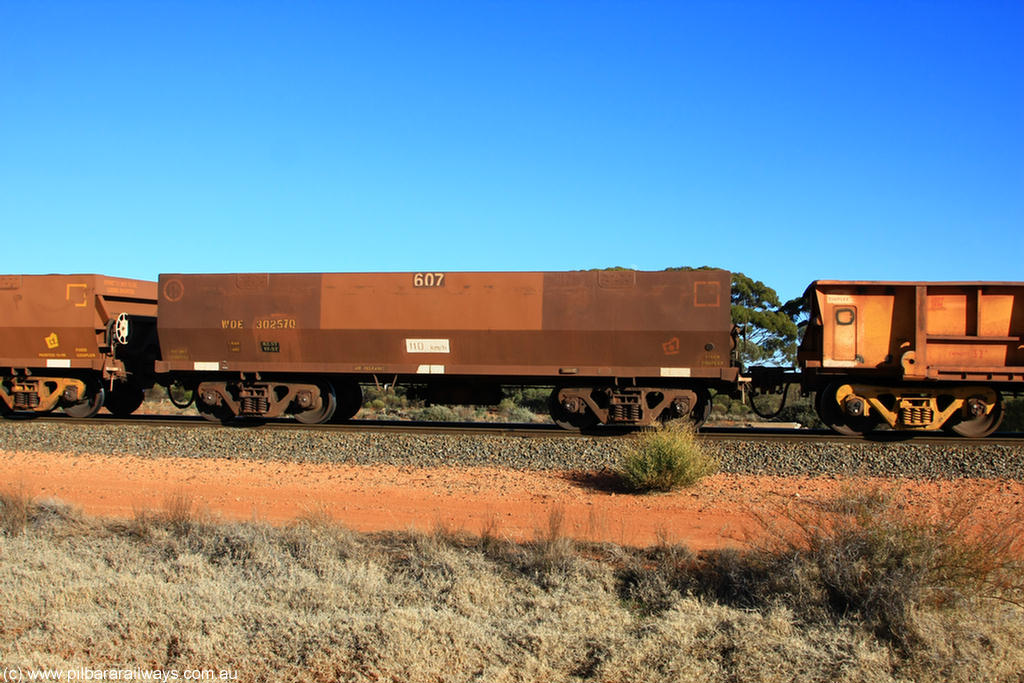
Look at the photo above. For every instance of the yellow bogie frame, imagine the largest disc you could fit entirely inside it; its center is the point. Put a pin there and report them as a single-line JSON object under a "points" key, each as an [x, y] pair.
{"points": [[968, 410]]}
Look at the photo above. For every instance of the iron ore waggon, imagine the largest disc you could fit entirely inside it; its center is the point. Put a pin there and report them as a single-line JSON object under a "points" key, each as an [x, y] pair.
{"points": [[913, 355], [77, 342], [620, 347]]}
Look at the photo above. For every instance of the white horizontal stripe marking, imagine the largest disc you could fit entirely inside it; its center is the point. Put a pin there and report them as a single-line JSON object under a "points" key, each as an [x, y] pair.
{"points": [[838, 363], [427, 346]]}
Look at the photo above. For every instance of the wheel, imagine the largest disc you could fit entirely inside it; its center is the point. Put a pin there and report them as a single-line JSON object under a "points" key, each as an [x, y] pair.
{"points": [[221, 414], [833, 415], [323, 410], [698, 414], [180, 396], [90, 405], [124, 399], [983, 425], [350, 400], [212, 408], [573, 422], [702, 411]]}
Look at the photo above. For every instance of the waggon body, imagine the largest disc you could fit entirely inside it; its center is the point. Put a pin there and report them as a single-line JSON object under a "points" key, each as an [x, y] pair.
{"points": [[75, 340], [662, 338], [917, 355]]}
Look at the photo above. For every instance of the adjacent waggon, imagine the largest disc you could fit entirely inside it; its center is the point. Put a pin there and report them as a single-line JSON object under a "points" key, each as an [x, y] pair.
{"points": [[913, 355], [76, 342], [619, 347]]}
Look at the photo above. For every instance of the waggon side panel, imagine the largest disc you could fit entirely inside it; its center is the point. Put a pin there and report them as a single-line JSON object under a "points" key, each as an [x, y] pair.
{"points": [[962, 331], [452, 301], [601, 323]]}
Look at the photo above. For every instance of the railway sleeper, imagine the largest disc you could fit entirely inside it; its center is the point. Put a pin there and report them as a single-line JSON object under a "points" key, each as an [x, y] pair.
{"points": [[579, 407], [264, 399], [971, 411]]}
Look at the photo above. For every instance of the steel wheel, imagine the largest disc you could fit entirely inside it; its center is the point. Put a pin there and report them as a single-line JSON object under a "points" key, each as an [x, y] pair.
{"points": [[832, 414], [323, 410], [350, 400], [212, 410], [573, 422], [697, 416], [90, 405], [221, 414], [702, 411], [124, 399], [983, 425], [188, 395]]}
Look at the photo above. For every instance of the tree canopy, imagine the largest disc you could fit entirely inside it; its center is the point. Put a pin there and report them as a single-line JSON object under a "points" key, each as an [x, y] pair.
{"points": [[767, 328]]}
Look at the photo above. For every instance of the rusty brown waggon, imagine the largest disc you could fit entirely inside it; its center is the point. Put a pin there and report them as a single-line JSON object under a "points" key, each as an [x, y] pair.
{"points": [[913, 355], [617, 346], [76, 342]]}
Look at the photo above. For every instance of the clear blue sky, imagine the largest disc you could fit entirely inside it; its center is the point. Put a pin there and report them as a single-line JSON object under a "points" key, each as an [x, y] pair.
{"points": [[789, 140]]}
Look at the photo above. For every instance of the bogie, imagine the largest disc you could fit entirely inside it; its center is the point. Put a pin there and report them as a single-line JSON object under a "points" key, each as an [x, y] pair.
{"points": [[970, 411], [583, 407]]}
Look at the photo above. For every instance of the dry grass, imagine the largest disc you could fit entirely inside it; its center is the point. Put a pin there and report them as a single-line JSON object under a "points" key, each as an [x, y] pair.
{"points": [[178, 515], [316, 602], [862, 553], [861, 557], [14, 508]]}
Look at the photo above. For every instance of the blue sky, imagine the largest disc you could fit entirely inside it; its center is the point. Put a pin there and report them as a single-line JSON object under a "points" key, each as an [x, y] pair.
{"points": [[788, 140]]}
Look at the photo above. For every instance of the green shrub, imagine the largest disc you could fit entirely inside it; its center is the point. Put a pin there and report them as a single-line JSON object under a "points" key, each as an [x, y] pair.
{"points": [[800, 409], [436, 413], [1013, 418], [724, 407], [534, 399], [664, 459], [378, 399], [506, 407], [521, 414]]}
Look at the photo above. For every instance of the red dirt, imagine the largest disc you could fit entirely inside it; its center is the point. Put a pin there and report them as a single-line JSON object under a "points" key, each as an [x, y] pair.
{"points": [[508, 503]]}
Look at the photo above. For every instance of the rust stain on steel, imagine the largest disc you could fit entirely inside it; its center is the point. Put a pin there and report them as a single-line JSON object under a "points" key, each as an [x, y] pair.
{"points": [[958, 331], [60, 320], [599, 323]]}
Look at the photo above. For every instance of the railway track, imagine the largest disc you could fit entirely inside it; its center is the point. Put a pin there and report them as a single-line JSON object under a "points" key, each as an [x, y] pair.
{"points": [[536, 431]]}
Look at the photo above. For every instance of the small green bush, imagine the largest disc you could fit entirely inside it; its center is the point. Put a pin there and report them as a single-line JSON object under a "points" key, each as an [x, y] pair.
{"points": [[436, 413], [512, 411], [664, 459], [800, 409], [534, 399], [1013, 420]]}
